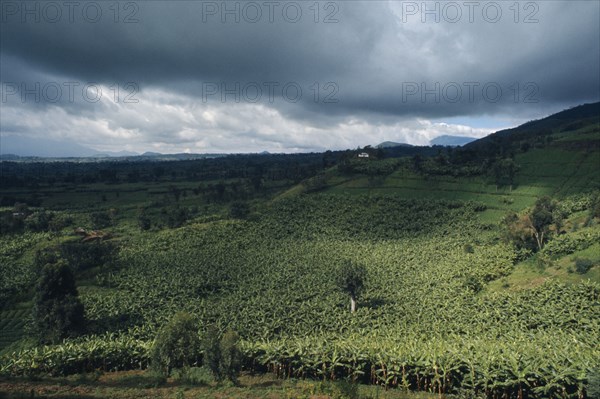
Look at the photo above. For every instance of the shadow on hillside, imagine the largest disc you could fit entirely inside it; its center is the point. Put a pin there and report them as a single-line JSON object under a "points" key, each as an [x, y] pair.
{"points": [[374, 303]]}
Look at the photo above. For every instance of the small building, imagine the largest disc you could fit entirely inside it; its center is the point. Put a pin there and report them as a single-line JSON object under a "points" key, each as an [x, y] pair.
{"points": [[363, 155]]}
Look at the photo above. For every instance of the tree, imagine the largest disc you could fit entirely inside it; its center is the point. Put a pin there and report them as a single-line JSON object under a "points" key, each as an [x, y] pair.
{"points": [[545, 213], [57, 311], [517, 229], [177, 344], [417, 163], [351, 278], [504, 172], [532, 230]]}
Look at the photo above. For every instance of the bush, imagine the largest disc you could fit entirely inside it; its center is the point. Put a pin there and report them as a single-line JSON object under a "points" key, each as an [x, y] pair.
{"points": [[222, 355], [176, 345], [231, 357], [583, 265], [212, 352], [593, 385]]}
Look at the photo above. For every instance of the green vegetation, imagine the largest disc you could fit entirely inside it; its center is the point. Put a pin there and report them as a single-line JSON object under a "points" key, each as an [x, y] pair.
{"points": [[57, 311], [452, 300], [351, 280], [177, 344]]}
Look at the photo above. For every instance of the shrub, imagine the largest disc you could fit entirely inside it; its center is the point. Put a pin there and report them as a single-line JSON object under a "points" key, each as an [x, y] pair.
{"points": [[231, 357], [212, 352], [222, 355], [583, 265], [177, 344], [593, 385]]}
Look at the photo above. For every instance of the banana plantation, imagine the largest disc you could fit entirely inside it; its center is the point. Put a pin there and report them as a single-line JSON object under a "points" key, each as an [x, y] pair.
{"points": [[425, 321]]}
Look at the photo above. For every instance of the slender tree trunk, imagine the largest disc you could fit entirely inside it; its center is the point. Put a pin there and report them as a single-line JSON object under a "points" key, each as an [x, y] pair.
{"points": [[539, 237], [352, 304]]}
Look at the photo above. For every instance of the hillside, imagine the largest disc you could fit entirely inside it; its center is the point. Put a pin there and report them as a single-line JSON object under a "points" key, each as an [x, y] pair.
{"points": [[253, 244]]}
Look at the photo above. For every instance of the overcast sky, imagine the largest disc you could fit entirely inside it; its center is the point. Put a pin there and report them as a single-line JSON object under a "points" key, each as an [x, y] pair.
{"points": [[281, 76]]}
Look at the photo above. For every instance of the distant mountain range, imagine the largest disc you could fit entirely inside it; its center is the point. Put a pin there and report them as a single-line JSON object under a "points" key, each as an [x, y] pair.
{"points": [[451, 141], [50, 148], [13, 147], [445, 140]]}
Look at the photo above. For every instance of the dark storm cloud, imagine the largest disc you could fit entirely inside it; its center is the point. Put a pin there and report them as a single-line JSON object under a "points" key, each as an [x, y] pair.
{"points": [[370, 53], [377, 60]]}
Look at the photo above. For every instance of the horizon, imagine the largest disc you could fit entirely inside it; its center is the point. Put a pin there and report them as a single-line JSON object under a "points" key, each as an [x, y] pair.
{"points": [[446, 141]]}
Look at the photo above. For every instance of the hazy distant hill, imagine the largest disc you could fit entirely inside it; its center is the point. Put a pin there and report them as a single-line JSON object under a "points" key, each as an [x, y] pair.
{"points": [[50, 148], [392, 144], [451, 141]]}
